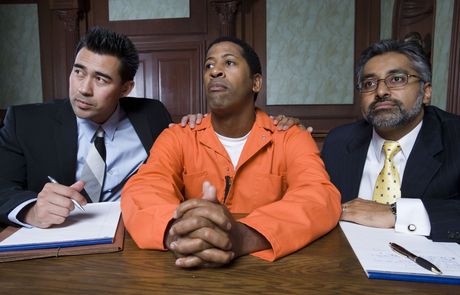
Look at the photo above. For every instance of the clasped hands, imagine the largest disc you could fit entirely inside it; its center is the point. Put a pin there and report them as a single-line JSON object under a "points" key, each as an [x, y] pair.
{"points": [[203, 233]]}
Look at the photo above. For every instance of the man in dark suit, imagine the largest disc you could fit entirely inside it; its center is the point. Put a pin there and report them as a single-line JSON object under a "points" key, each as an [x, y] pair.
{"points": [[394, 79], [53, 139]]}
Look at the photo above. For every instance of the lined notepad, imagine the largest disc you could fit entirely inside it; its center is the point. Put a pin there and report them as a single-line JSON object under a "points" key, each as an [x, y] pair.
{"points": [[371, 246], [97, 225]]}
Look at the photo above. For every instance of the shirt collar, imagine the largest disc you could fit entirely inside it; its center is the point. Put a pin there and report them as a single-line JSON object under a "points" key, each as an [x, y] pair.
{"points": [[262, 120], [109, 126], [406, 142]]}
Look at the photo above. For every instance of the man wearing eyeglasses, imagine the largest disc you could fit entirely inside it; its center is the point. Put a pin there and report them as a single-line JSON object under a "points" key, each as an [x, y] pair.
{"points": [[399, 166]]}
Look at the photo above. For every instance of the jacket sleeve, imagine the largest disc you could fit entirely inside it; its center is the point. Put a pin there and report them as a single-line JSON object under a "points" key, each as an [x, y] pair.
{"points": [[13, 169], [150, 197], [310, 206]]}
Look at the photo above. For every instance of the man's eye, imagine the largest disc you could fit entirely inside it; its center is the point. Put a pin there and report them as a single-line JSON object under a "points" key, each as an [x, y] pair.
{"points": [[229, 62], [78, 73], [397, 79], [208, 66], [101, 80], [368, 84]]}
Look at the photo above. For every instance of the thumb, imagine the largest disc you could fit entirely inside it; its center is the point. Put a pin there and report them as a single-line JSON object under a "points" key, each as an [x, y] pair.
{"points": [[78, 186], [209, 192]]}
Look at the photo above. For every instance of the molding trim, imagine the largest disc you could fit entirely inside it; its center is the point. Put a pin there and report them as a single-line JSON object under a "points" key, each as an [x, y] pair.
{"points": [[226, 10]]}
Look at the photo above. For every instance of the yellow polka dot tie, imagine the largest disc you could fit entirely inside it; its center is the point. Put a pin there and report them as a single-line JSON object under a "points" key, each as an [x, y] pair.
{"points": [[387, 186]]}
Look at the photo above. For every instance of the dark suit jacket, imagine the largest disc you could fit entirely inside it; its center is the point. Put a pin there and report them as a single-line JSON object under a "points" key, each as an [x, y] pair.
{"points": [[41, 139], [432, 171]]}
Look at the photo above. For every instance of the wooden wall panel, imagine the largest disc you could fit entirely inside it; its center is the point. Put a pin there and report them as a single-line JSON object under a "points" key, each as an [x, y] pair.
{"points": [[453, 88], [171, 54], [415, 16], [176, 81], [172, 51], [143, 81], [171, 72]]}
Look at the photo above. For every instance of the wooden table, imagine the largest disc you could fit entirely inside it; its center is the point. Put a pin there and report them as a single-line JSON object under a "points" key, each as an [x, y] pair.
{"points": [[328, 266]]}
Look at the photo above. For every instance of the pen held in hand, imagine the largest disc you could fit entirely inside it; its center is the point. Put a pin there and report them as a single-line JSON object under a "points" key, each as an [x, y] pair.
{"points": [[419, 260], [74, 202]]}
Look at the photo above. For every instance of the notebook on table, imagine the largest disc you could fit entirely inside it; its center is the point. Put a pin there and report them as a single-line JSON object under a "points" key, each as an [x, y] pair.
{"points": [[379, 261], [97, 230]]}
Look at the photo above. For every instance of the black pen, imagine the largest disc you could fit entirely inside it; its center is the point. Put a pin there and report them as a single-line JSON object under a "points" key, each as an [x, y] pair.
{"points": [[75, 202], [419, 260]]}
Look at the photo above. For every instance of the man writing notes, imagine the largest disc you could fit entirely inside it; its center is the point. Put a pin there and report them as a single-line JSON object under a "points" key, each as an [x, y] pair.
{"points": [[97, 123], [400, 166], [236, 161]]}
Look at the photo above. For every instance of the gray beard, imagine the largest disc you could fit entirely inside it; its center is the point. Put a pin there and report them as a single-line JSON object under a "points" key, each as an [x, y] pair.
{"points": [[393, 118]]}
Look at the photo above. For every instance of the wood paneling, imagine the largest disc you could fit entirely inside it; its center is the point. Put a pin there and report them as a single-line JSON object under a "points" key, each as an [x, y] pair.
{"points": [[171, 72], [453, 88], [172, 51], [59, 22], [415, 16], [171, 55]]}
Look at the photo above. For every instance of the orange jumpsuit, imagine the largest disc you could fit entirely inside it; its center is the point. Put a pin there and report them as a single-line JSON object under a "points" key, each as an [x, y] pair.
{"points": [[280, 181]]}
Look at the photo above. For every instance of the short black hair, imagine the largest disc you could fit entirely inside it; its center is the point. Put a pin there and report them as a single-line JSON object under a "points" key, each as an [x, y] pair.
{"points": [[104, 41], [249, 54], [411, 49]]}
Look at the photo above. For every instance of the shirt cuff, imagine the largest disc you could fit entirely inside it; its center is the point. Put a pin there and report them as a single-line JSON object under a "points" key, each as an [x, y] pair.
{"points": [[411, 217], [13, 215]]}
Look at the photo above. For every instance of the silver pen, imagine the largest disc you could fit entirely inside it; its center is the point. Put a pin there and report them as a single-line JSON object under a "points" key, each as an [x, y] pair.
{"points": [[75, 202]]}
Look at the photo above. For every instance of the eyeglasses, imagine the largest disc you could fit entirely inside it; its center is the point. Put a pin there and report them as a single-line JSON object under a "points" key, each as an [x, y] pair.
{"points": [[396, 80]]}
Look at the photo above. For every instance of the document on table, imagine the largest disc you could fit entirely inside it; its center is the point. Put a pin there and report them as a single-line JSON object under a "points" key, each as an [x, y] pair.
{"points": [[97, 225], [371, 247]]}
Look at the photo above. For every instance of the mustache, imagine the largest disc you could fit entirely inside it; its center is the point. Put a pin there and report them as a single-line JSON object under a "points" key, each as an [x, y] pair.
{"points": [[82, 99], [384, 99]]}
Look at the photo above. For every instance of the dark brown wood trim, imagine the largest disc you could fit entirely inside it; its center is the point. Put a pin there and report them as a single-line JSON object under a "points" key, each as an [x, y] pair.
{"points": [[453, 85], [59, 33], [46, 57], [226, 10]]}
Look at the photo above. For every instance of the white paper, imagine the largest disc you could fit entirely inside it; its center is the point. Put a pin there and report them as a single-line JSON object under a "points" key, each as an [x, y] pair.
{"points": [[371, 246], [99, 221]]}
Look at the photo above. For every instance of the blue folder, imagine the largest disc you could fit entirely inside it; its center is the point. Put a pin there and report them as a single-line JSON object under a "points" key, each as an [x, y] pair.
{"points": [[414, 277]]}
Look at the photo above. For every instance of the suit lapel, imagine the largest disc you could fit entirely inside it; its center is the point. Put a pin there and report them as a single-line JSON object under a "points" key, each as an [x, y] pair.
{"points": [[354, 162], [140, 124], [422, 164], [66, 143]]}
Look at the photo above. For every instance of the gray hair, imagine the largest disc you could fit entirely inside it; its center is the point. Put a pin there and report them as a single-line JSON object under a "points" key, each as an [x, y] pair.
{"points": [[412, 50]]}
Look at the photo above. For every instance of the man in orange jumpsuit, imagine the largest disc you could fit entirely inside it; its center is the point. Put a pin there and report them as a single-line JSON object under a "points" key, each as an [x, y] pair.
{"points": [[187, 195]]}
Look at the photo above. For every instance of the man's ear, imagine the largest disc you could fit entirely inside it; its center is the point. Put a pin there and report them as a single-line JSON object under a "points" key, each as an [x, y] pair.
{"points": [[127, 87], [427, 91], [257, 83]]}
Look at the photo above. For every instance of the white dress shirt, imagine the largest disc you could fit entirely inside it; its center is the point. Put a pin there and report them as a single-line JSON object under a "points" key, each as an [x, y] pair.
{"points": [[125, 153], [411, 213]]}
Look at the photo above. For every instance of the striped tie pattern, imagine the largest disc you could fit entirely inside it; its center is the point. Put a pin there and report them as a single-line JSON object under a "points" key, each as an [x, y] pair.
{"points": [[93, 173], [387, 186]]}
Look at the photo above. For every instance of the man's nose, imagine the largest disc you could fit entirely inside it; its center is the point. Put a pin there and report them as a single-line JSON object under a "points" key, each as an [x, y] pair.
{"points": [[85, 87], [217, 71], [382, 88]]}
